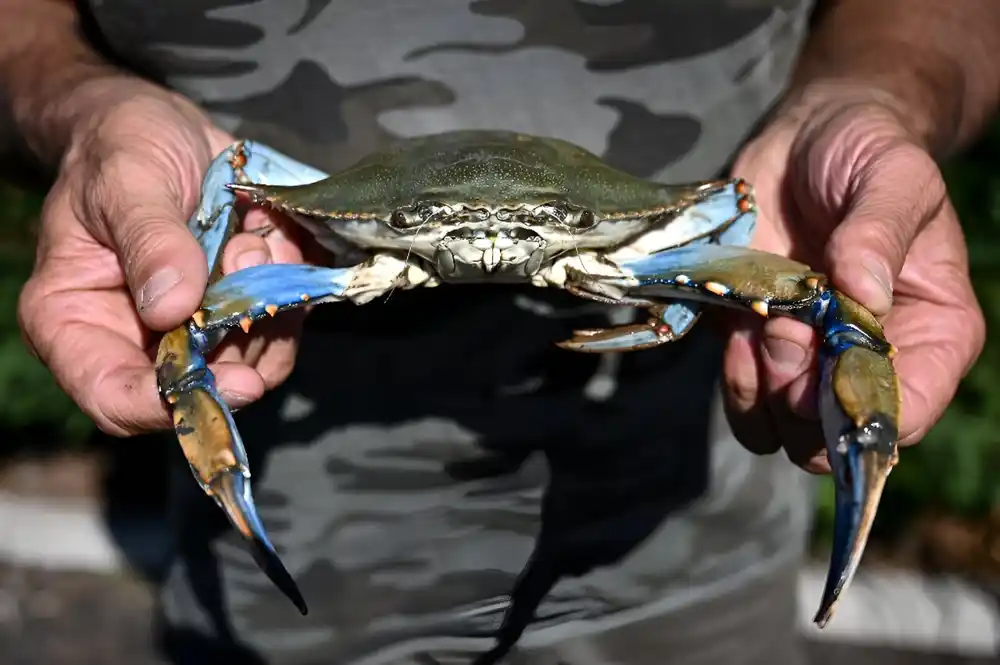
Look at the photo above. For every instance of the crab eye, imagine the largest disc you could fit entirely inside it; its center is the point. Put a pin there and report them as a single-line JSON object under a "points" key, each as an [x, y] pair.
{"points": [[398, 218], [587, 218]]}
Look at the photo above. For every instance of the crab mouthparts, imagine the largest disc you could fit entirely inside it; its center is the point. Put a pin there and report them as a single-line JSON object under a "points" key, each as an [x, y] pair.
{"points": [[491, 244], [487, 251]]}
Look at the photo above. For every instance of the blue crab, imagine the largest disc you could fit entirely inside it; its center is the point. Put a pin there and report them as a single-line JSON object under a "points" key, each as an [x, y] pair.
{"points": [[503, 207]]}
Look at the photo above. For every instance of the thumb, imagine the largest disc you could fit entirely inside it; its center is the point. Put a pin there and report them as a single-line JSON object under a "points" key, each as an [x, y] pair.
{"points": [[166, 270], [896, 191], [164, 266]]}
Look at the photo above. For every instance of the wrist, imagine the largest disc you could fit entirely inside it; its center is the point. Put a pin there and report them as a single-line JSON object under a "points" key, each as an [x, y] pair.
{"points": [[42, 60], [934, 62], [54, 86]]}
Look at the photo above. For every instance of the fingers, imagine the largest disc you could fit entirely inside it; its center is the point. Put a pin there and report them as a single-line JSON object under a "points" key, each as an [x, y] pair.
{"points": [[937, 325], [789, 362], [770, 390], [884, 192], [245, 250], [166, 272], [116, 260], [271, 344], [106, 371], [141, 214], [94, 344], [897, 191], [744, 391], [126, 401]]}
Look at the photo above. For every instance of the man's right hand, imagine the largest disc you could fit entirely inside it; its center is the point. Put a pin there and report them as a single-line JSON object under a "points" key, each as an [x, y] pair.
{"points": [[116, 263]]}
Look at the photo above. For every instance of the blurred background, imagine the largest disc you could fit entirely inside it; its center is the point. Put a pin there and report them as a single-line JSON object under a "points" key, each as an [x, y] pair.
{"points": [[82, 536]]}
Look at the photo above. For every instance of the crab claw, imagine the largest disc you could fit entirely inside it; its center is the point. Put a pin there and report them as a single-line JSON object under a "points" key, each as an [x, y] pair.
{"points": [[231, 490], [859, 393], [213, 447], [859, 410]]}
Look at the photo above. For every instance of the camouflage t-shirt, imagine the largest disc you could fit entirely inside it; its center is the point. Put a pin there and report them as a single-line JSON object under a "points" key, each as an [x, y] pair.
{"points": [[430, 448]]}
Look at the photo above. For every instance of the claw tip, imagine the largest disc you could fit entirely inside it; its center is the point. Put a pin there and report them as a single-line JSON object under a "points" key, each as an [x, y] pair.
{"points": [[232, 490], [268, 560]]}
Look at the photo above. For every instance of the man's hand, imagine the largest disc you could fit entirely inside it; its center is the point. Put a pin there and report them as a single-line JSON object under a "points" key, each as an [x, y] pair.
{"points": [[848, 190], [115, 261]]}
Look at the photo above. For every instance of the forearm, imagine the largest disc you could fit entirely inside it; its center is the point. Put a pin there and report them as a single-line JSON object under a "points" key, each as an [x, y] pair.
{"points": [[937, 62], [50, 78]]}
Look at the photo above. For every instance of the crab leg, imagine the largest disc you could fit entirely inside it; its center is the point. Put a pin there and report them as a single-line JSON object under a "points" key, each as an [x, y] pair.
{"points": [[725, 213], [202, 421], [214, 221], [859, 391]]}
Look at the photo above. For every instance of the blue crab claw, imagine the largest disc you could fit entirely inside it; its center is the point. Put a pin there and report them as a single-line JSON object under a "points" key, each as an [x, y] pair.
{"points": [[859, 409], [203, 423], [859, 391], [231, 490], [865, 457], [213, 448]]}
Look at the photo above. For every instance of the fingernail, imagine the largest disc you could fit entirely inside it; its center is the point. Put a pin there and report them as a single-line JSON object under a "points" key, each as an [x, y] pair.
{"points": [[877, 270], [235, 400], [156, 286], [787, 355], [254, 257]]}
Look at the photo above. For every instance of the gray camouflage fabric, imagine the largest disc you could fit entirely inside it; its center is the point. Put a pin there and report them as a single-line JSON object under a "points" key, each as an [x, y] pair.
{"points": [[434, 454]]}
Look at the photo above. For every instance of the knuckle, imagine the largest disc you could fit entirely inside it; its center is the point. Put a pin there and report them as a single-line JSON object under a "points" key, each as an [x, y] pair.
{"points": [[882, 235], [29, 303], [278, 370], [113, 422], [115, 405], [100, 195], [895, 194], [927, 176], [143, 231], [920, 183], [105, 418], [90, 385], [62, 344], [110, 422], [29, 299], [975, 327]]}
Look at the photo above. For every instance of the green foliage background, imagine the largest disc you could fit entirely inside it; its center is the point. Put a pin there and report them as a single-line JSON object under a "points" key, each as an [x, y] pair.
{"points": [[31, 404], [955, 470]]}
